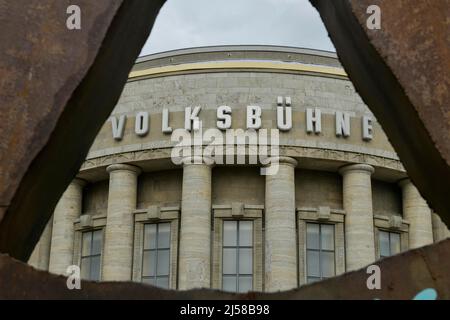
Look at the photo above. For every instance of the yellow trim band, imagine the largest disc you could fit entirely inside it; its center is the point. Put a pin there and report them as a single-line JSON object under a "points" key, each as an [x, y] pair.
{"points": [[238, 65]]}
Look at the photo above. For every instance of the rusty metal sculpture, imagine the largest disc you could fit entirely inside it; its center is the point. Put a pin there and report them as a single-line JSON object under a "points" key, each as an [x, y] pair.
{"points": [[51, 76], [402, 72]]}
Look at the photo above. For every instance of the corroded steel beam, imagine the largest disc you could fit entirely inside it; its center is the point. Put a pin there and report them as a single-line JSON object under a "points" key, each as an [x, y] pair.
{"points": [[402, 72], [402, 277], [57, 88], [52, 78]]}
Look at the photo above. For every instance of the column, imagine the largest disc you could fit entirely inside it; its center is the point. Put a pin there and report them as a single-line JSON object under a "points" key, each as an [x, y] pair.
{"points": [[280, 230], [43, 247], [359, 229], [440, 230], [66, 212], [33, 260], [195, 232], [122, 198], [418, 214]]}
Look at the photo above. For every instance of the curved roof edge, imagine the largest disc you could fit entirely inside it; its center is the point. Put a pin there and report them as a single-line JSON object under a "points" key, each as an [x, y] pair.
{"points": [[231, 48], [238, 53]]}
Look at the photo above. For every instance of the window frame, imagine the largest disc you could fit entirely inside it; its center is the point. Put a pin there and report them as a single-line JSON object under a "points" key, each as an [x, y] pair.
{"points": [[156, 250], [334, 217], [237, 247], [156, 214], [88, 222], [383, 223], [389, 232], [90, 256], [222, 212], [320, 250]]}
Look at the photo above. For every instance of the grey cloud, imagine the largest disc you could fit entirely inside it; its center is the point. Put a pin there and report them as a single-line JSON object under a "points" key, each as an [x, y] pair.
{"points": [[193, 23]]}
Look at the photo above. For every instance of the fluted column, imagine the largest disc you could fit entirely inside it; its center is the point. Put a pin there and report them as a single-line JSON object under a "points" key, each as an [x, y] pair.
{"points": [[40, 257], [440, 230], [418, 214], [45, 246], [280, 233], [195, 232], [66, 212], [122, 198], [359, 229]]}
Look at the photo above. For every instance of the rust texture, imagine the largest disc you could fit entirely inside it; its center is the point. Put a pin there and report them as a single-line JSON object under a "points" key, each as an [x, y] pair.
{"points": [[402, 277], [402, 72], [57, 88]]}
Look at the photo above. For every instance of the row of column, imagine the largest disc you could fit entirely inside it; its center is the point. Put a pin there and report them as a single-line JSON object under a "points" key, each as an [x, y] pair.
{"points": [[359, 227], [195, 232]]}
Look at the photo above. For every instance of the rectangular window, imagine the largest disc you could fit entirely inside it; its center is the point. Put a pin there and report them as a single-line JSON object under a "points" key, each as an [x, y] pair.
{"points": [[320, 260], [237, 256], [156, 254], [389, 243], [91, 254]]}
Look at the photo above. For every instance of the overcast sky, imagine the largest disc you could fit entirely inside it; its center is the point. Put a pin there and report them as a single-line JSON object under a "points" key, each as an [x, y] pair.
{"points": [[193, 23]]}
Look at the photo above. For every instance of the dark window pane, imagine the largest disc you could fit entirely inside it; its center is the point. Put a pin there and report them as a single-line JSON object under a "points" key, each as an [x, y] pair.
{"points": [[85, 268], [148, 263], [229, 261], [245, 283], [312, 262], [162, 282], [229, 283], [384, 244], [246, 233], [163, 262], [327, 264], [395, 243], [312, 236], [86, 244], [164, 235], [95, 268], [97, 242], [150, 236], [327, 234], [229, 233], [245, 261]]}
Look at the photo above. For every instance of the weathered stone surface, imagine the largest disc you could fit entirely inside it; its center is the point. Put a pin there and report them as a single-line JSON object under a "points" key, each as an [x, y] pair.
{"points": [[401, 73], [66, 212], [19, 229], [417, 212], [357, 198], [280, 231], [402, 277], [118, 249], [195, 233], [56, 92]]}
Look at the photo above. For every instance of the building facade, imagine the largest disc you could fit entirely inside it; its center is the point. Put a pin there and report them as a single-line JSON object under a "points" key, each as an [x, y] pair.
{"points": [[338, 200]]}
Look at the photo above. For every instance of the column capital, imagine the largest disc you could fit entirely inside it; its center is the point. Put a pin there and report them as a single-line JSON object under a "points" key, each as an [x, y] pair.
{"points": [[196, 160], [123, 167], [357, 167], [79, 182], [283, 160], [404, 182]]}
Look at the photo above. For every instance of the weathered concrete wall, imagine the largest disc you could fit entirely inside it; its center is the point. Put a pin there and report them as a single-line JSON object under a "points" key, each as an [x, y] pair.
{"points": [[237, 184], [318, 188], [95, 198], [161, 188], [386, 198], [191, 191], [238, 90]]}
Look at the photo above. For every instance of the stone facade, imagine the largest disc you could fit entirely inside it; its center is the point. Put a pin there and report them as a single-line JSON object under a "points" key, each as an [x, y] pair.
{"points": [[347, 192]]}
